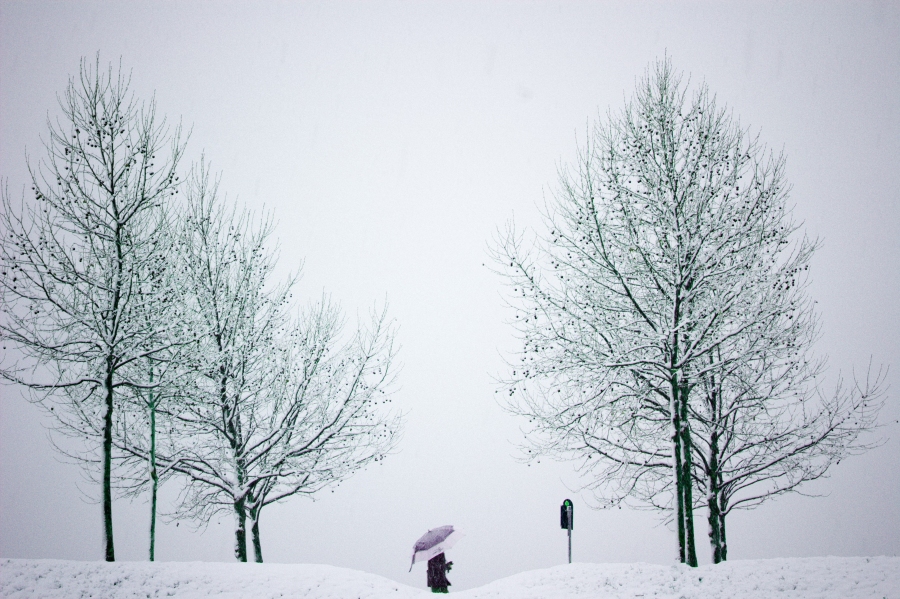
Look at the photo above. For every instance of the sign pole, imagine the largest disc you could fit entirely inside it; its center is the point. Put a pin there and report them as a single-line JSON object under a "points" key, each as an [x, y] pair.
{"points": [[565, 519]]}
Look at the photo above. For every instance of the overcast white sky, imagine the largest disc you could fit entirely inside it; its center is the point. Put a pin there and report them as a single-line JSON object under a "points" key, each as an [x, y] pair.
{"points": [[391, 139]]}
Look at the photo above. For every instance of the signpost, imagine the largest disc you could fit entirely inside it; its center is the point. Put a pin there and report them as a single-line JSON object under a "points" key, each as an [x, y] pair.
{"points": [[566, 512]]}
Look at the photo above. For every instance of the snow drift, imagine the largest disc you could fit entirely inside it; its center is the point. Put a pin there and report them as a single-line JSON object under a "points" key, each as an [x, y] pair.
{"points": [[797, 578]]}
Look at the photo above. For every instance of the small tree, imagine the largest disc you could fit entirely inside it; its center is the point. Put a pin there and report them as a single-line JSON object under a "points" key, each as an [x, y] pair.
{"points": [[766, 429], [226, 269], [144, 419], [74, 258], [323, 421], [668, 277], [266, 409]]}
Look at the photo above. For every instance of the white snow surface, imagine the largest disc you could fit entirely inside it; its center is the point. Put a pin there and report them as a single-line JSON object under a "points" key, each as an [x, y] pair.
{"points": [[795, 578]]}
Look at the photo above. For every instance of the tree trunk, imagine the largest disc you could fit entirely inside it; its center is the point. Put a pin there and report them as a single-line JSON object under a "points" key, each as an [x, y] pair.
{"points": [[722, 542], [676, 456], [240, 532], [712, 502], [109, 549], [154, 476], [257, 545], [687, 480], [230, 417], [113, 316]]}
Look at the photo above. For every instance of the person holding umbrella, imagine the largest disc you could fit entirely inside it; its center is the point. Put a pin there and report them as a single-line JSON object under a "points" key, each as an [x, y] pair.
{"points": [[431, 546], [438, 566]]}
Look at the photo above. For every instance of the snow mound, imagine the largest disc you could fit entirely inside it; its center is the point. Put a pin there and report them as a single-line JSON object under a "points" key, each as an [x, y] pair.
{"points": [[59, 579], [796, 578]]}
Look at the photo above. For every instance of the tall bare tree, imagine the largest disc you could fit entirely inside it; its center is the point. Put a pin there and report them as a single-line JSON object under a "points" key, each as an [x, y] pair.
{"points": [[73, 257], [670, 267]]}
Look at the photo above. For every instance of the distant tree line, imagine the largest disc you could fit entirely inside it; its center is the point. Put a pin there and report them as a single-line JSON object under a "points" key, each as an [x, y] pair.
{"points": [[140, 309], [666, 330]]}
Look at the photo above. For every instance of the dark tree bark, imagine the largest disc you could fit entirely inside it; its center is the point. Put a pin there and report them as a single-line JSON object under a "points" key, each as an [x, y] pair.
{"points": [[686, 479], [712, 496], [154, 475], [108, 547], [257, 544], [723, 543], [240, 531], [679, 474]]}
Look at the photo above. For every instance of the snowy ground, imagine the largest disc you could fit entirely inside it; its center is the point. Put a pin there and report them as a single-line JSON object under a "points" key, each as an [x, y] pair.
{"points": [[828, 577]]}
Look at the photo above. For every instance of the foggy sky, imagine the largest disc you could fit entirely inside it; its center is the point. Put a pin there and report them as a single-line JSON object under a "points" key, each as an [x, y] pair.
{"points": [[391, 140]]}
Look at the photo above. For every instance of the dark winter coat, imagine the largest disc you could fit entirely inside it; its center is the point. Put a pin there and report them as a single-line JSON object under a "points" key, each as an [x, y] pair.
{"points": [[437, 572]]}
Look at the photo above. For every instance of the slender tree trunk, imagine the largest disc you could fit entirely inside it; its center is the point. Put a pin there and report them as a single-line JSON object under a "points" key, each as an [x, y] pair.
{"points": [[723, 544], [113, 317], [257, 545], [230, 417], [714, 400], [712, 500], [154, 476], [240, 532], [676, 455], [109, 549], [240, 508], [687, 480]]}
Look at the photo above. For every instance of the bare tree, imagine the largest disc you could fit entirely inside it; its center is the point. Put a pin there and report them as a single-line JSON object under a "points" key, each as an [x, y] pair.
{"points": [[227, 269], [145, 413], [765, 429], [671, 266], [73, 261], [323, 422], [267, 408], [138, 427]]}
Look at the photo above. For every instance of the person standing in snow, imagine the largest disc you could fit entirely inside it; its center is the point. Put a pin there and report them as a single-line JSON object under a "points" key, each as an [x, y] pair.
{"points": [[438, 566]]}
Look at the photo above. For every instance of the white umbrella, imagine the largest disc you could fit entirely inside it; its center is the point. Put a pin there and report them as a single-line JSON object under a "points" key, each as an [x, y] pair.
{"points": [[434, 542]]}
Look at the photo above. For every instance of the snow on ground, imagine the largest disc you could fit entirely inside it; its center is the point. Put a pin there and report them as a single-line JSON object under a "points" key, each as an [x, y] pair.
{"points": [[796, 578], [52, 579]]}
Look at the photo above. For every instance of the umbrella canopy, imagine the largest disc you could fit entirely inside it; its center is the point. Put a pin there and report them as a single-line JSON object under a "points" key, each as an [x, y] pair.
{"points": [[434, 542]]}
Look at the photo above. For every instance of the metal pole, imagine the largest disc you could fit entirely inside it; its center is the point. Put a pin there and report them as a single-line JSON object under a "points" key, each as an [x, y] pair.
{"points": [[569, 510]]}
